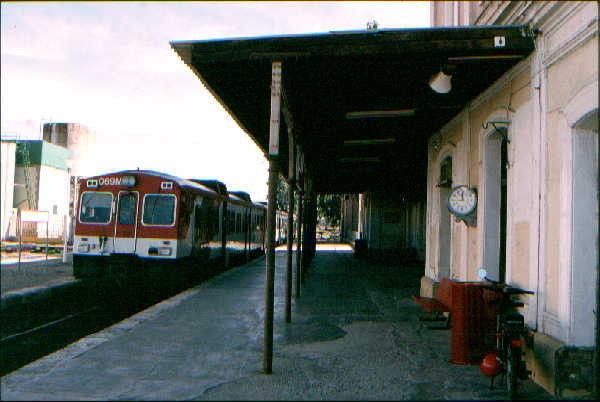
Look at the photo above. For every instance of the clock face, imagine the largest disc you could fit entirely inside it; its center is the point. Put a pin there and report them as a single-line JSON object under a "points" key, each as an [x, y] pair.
{"points": [[462, 200]]}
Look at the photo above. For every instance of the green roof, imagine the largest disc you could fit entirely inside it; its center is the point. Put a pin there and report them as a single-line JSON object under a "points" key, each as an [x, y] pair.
{"points": [[42, 153]]}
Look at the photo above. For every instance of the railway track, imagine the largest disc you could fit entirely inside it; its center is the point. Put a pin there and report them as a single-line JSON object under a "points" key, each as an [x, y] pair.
{"points": [[44, 326]]}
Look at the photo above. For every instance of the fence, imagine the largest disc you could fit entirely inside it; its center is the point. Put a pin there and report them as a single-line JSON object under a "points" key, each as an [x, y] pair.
{"points": [[35, 228]]}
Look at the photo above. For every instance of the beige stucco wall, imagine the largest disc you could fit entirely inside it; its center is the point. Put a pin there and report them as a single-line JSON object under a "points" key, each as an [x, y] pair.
{"points": [[539, 153], [462, 139], [567, 78], [549, 93]]}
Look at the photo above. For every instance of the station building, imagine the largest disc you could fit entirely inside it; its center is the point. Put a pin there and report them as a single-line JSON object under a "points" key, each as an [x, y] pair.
{"points": [[509, 118], [528, 145]]}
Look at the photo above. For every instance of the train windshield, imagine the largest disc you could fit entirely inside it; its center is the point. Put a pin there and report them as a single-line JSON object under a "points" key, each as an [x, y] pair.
{"points": [[127, 207], [159, 209], [95, 207]]}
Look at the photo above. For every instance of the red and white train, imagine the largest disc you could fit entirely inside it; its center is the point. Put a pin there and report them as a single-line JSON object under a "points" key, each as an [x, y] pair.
{"points": [[147, 216]]}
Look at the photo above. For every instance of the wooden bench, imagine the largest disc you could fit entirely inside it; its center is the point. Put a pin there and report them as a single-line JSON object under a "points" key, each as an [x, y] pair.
{"points": [[440, 305]]}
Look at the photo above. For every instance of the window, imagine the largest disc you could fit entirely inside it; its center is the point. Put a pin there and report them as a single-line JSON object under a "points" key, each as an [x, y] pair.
{"points": [[95, 207], [127, 207], [446, 173], [159, 209], [54, 209]]}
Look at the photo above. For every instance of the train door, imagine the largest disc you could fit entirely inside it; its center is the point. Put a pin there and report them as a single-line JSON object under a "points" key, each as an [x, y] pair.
{"points": [[224, 230], [246, 228], [126, 222]]}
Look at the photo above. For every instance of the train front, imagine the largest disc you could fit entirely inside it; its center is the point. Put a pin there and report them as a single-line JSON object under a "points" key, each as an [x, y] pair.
{"points": [[122, 217]]}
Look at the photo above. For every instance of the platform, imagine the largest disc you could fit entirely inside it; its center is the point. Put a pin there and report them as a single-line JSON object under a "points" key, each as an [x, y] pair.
{"points": [[354, 336]]}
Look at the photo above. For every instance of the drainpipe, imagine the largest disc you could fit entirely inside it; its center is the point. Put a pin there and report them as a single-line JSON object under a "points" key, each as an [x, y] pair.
{"points": [[597, 345], [361, 202]]}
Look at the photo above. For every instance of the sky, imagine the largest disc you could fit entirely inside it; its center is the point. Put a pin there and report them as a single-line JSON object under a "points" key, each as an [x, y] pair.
{"points": [[109, 66]]}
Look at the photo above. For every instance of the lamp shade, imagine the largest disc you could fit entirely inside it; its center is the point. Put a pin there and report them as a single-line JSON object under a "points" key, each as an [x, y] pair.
{"points": [[441, 83]]}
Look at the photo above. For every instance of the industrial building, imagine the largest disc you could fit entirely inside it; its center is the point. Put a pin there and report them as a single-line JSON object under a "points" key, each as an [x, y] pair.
{"points": [[37, 176]]}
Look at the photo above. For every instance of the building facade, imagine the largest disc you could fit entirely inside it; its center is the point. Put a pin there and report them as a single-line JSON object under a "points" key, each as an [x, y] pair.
{"points": [[37, 175], [528, 145]]}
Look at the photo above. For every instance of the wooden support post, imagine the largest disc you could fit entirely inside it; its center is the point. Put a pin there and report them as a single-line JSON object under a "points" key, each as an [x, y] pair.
{"points": [[299, 245], [270, 285], [290, 228], [270, 234], [309, 230], [306, 216]]}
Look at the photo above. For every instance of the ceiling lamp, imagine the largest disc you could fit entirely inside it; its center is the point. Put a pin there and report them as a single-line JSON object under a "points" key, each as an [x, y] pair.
{"points": [[366, 114], [370, 141], [441, 83], [487, 57]]}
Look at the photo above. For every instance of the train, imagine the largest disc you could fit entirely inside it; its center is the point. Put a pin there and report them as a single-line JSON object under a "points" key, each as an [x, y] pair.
{"points": [[134, 218]]}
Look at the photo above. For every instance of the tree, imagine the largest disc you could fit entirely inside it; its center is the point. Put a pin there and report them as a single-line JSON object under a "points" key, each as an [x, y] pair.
{"points": [[329, 209], [281, 194]]}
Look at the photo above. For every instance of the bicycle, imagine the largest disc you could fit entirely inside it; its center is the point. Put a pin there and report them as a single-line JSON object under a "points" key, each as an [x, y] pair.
{"points": [[507, 360]]}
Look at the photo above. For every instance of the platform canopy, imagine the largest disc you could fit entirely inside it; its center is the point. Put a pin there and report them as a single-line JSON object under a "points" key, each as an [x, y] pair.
{"points": [[360, 101]]}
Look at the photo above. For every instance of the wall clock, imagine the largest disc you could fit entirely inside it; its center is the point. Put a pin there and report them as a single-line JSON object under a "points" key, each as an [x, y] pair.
{"points": [[462, 202]]}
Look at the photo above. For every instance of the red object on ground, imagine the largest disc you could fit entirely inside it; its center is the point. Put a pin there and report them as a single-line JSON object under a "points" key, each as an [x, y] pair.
{"points": [[491, 365], [473, 323]]}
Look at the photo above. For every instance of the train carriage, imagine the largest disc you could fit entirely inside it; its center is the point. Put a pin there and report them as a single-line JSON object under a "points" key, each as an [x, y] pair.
{"points": [[148, 216], [258, 213], [238, 228]]}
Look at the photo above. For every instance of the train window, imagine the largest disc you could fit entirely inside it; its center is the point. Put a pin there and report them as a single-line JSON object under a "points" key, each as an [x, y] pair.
{"points": [[214, 218], [127, 206], [231, 222], [159, 209], [95, 207]]}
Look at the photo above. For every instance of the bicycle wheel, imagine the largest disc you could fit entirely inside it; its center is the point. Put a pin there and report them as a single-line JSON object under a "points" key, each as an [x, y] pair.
{"points": [[513, 356]]}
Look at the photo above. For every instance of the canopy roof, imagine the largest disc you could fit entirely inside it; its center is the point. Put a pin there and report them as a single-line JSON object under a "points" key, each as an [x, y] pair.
{"points": [[330, 79]]}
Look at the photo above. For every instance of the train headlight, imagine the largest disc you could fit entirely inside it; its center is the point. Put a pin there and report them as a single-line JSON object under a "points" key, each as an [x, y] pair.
{"points": [[83, 248], [128, 181], [165, 251]]}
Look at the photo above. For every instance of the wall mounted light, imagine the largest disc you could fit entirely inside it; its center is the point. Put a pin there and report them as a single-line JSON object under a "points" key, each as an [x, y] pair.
{"points": [[501, 127], [441, 82]]}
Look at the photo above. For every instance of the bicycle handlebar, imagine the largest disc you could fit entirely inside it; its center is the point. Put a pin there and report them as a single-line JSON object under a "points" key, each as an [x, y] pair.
{"points": [[504, 288]]}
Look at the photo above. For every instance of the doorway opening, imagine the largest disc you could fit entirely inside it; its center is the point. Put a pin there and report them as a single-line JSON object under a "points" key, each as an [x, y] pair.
{"points": [[584, 240], [445, 227], [495, 207]]}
